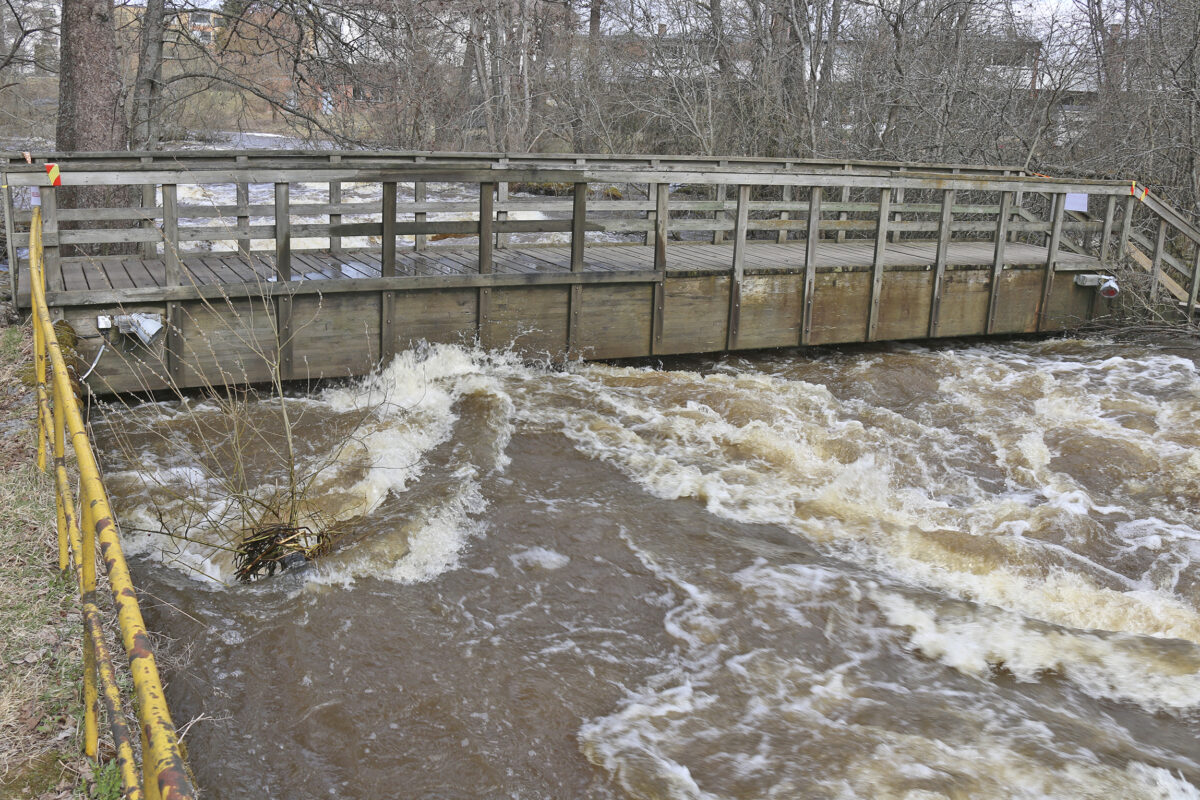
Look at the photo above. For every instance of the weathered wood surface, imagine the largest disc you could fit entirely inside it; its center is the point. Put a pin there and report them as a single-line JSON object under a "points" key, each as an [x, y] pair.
{"points": [[635, 257]]}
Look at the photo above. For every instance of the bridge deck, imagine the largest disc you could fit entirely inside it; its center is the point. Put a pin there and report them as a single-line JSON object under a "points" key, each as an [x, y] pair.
{"points": [[214, 268]]}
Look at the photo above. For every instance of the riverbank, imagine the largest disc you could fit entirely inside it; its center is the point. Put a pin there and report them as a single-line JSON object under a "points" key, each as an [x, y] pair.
{"points": [[40, 707]]}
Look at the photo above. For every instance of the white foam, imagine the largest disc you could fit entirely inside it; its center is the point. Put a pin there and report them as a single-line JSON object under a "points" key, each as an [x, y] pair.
{"points": [[541, 557]]}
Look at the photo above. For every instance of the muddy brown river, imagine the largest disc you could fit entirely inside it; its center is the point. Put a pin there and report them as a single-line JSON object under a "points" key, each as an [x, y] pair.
{"points": [[968, 571]]}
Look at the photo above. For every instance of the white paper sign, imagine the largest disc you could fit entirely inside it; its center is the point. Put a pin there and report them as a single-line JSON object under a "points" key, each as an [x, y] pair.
{"points": [[1076, 201]]}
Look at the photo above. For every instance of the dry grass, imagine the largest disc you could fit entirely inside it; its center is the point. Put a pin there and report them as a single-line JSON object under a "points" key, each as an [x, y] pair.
{"points": [[40, 628]]}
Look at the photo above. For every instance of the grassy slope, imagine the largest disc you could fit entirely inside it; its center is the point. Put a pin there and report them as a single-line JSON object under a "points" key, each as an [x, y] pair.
{"points": [[40, 705]]}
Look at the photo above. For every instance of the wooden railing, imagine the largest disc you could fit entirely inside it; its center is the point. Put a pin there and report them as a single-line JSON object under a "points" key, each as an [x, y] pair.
{"points": [[644, 199]]}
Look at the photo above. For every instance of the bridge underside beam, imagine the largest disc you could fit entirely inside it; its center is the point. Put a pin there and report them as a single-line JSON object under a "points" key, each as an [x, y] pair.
{"points": [[345, 315]]}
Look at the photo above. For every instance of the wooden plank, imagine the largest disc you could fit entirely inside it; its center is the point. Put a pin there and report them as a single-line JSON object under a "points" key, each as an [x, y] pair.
{"points": [[881, 238], [285, 335], [810, 261], [842, 215], [149, 202], [171, 255], [718, 232], [51, 255], [1126, 226], [1156, 259], [387, 327], [1052, 244], [487, 193], [335, 199], [661, 224], [283, 233], [1001, 241], [420, 217], [613, 321], [243, 212], [173, 353], [1110, 205], [739, 267], [578, 220], [695, 318], [502, 212], [1192, 292], [532, 320], [784, 216], [945, 223], [388, 238]]}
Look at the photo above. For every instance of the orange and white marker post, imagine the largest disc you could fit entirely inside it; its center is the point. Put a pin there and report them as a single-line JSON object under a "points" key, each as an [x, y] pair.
{"points": [[52, 173]]}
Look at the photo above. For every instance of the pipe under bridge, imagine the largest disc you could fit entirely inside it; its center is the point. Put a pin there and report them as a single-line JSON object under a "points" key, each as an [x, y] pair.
{"points": [[234, 267]]}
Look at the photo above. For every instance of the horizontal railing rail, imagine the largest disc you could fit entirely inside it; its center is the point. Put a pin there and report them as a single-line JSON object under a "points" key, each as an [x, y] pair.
{"points": [[83, 527], [612, 195]]}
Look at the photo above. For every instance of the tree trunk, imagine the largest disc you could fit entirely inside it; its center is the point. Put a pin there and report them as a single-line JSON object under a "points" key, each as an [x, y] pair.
{"points": [[90, 116], [145, 133], [90, 112]]}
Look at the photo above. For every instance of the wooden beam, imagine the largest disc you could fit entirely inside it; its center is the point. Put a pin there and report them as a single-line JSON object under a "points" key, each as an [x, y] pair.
{"points": [[285, 335], [810, 262], [881, 237], [387, 327], [661, 220], [1053, 240], [173, 343], [502, 214], [662, 216], [487, 195], [786, 197], [149, 200], [843, 215], [739, 267], [1110, 205], [718, 235], [419, 196], [335, 199], [1191, 303], [10, 245], [51, 254], [174, 270], [1126, 227], [578, 225], [1001, 239], [388, 238], [1156, 259], [283, 233], [945, 226], [243, 219]]}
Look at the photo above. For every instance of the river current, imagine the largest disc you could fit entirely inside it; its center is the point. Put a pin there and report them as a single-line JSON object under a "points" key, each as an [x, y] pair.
{"points": [[962, 571]]}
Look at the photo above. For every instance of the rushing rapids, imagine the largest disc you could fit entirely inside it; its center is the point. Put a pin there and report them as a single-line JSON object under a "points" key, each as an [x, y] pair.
{"points": [[896, 572]]}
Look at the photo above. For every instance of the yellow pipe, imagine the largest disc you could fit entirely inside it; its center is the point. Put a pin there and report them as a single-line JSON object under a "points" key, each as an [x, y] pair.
{"points": [[162, 740], [126, 763], [87, 585], [60, 463]]}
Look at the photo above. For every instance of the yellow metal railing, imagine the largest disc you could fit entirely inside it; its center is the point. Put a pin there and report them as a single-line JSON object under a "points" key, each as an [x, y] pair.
{"points": [[163, 775]]}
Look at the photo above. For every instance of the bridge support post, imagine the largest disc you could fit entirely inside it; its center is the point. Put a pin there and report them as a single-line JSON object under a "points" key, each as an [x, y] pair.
{"points": [[578, 238], [810, 262], [1110, 206], [335, 198], [1053, 240], [661, 219], [741, 223], [487, 194], [945, 226], [1006, 201], [881, 237]]}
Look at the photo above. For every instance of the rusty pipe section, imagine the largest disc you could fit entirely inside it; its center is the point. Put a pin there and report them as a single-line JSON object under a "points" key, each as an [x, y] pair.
{"points": [[163, 768]]}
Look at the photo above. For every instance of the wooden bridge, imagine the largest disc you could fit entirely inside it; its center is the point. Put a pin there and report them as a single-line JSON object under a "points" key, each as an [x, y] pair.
{"points": [[308, 265]]}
